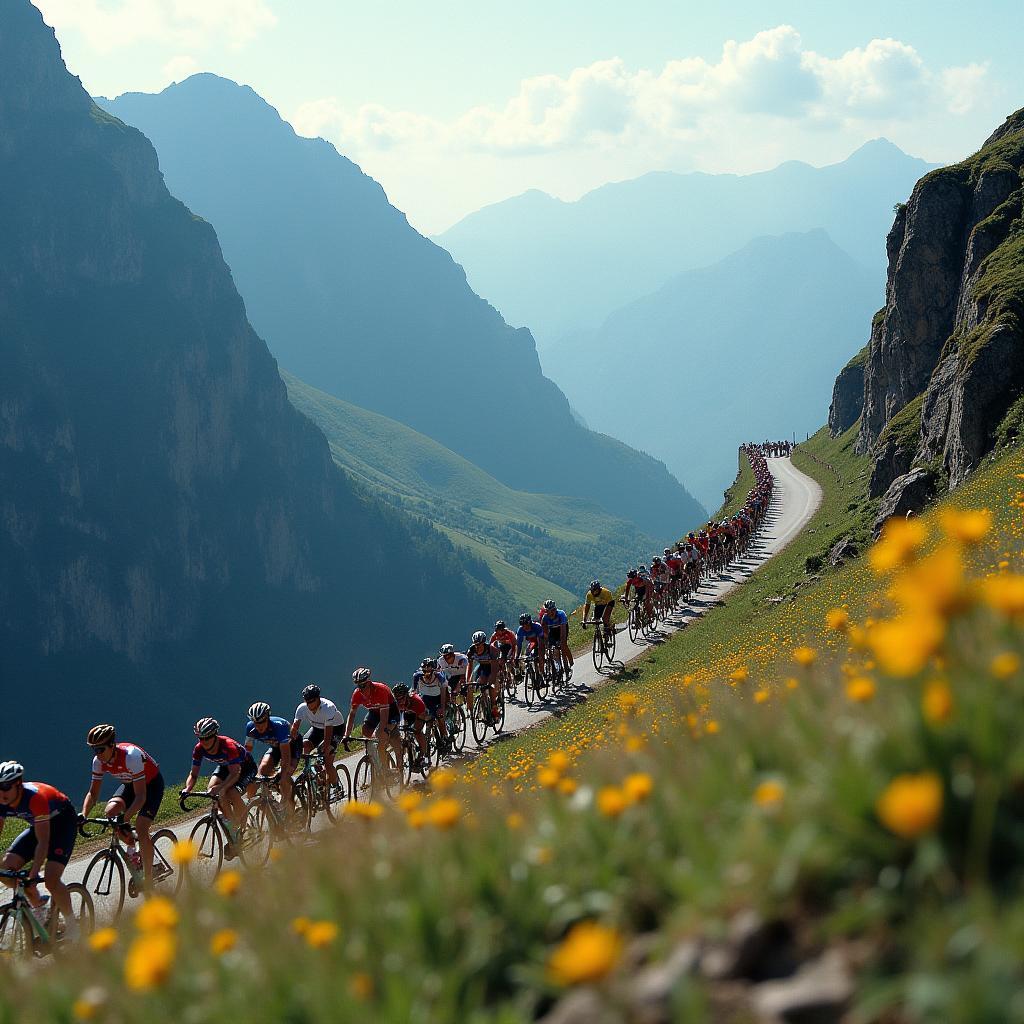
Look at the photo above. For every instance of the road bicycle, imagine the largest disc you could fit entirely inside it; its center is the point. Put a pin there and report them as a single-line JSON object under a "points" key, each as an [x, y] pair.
{"points": [[217, 840], [313, 791], [411, 753], [111, 873], [370, 781], [272, 814], [602, 649], [487, 713], [535, 686], [508, 680], [25, 932]]}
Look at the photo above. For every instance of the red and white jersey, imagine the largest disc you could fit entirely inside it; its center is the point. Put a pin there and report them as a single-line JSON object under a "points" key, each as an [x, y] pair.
{"points": [[129, 764]]}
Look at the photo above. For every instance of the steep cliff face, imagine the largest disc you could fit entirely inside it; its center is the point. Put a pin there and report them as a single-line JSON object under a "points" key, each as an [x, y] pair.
{"points": [[167, 519], [848, 395], [355, 302], [945, 362]]}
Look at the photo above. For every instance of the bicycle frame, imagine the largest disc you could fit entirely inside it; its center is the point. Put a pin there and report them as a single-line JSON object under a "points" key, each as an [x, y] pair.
{"points": [[21, 907]]}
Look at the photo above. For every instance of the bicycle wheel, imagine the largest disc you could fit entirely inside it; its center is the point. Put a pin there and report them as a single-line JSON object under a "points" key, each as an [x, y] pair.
{"points": [[82, 910], [597, 649], [394, 778], [510, 684], [338, 793], [457, 729], [104, 878], [362, 782], [478, 717], [209, 845], [540, 685], [633, 623], [166, 877], [529, 685], [609, 642], [256, 837], [498, 725], [15, 934], [301, 802]]}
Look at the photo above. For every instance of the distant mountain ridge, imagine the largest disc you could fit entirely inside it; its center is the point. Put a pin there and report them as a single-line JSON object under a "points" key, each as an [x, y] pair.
{"points": [[564, 266], [355, 302], [743, 348], [169, 524]]}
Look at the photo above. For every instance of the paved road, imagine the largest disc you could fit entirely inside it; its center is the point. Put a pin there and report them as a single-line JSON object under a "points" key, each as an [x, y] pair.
{"points": [[795, 499]]}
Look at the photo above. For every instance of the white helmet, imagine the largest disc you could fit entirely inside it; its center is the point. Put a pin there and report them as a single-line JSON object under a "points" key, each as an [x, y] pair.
{"points": [[206, 727], [11, 771], [259, 711]]}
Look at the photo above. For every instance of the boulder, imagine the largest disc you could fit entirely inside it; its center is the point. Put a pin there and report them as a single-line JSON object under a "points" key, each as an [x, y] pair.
{"points": [[847, 396], [907, 493], [818, 993], [754, 949], [842, 551]]}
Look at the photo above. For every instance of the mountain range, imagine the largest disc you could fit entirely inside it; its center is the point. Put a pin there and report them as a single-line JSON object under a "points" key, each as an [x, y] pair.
{"points": [[743, 348], [562, 267], [357, 304], [175, 538]]}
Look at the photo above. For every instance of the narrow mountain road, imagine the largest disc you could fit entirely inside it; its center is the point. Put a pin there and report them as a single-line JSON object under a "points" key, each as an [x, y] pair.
{"points": [[795, 499]]}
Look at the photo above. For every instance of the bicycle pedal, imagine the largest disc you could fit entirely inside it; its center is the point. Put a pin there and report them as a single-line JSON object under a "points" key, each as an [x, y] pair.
{"points": [[229, 851]]}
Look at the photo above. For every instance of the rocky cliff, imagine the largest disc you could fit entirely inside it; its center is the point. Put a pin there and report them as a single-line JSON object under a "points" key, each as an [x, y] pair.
{"points": [[944, 368], [174, 537]]}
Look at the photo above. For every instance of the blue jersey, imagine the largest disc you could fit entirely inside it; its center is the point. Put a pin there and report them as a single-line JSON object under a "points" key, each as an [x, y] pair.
{"points": [[279, 732], [534, 631], [552, 620]]}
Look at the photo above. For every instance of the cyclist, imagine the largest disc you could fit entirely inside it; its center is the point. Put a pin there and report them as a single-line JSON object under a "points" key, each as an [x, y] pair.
{"points": [[505, 640], [659, 573], [483, 661], [323, 718], [381, 718], [533, 633], [556, 622], [138, 796], [282, 748], [432, 686], [603, 601], [452, 664], [46, 843], [674, 562], [414, 714], [643, 587], [234, 772]]}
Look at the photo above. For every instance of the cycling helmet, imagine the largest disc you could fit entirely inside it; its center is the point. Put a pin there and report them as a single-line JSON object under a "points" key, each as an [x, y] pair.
{"points": [[361, 675], [401, 691], [479, 637], [100, 735], [667, 551], [311, 692], [525, 619], [259, 711], [631, 574], [447, 648], [642, 569], [595, 584], [549, 606], [500, 624], [428, 663], [207, 727], [11, 771], [656, 560]]}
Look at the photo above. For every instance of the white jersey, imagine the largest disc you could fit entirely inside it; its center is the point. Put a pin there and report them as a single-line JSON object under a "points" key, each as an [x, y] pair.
{"points": [[456, 668], [326, 714]]}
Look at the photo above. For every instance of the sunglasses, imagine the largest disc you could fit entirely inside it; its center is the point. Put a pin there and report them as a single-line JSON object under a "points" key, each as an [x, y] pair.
{"points": [[100, 748], [6, 787]]}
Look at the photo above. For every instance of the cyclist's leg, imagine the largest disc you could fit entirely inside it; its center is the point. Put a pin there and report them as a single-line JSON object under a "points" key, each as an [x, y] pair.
{"points": [[21, 852]]}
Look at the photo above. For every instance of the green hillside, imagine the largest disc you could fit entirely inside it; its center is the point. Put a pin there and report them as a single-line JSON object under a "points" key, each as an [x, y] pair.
{"points": [[537, 545]]}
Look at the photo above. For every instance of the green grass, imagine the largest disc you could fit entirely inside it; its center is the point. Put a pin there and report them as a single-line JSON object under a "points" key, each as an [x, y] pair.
{"points": [[536, 545]]}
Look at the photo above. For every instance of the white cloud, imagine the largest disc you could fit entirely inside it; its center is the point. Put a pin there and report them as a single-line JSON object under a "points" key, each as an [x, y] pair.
{"points": [[772, 77], [109, 25]]}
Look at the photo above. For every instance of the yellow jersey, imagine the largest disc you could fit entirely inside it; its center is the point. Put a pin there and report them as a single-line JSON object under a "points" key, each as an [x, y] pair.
{"points": [[603, 596]]}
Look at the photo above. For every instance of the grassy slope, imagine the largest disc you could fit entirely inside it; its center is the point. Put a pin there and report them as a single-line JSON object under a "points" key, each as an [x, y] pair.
{"points": [[537, 545]]}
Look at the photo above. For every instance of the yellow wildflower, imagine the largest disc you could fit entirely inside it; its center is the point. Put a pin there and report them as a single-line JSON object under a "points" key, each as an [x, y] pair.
{"points": [[900, 541], [150, 959], [911, 804], [587, 954], [559, 761], [638, 786], [89, 1003], [792, 684], [442, 780], [968, 526], [903, 645], [1005, 594], [228, 883], [102, 939], [410, 800], [444, 813], [937, 702], [712, 728], [860, 689], [184, 851], [360, 985], [1004, 665], [300, 925], [628, 701], [934, 584], [158, 913], [223, 941], [611, 801], [567, 786], [548, 777], [740, 675], [769, 793], [761, 696], [320, 934], [837, 619], [805, 656], [368, 810], [515, 821]]}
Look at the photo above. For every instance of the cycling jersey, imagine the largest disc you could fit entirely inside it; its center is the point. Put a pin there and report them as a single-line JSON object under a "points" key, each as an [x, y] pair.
{"points": [[674, 563], [484, 657], [534, 632], [414, 706], [39, 802], [454, 668], [504, 636], [278, 731], [326, 714], [373, 696], [639, 584], [429, 687], [554, 621], [129, 764], [227, 752], [602, 597]]}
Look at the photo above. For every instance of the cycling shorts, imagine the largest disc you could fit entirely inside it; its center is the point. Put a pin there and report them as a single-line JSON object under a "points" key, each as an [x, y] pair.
{"points": [[315, 737], [409, 718], [245, 777], [295, 746], [599, 610], [556, 634], [154, 796], [505, 650], [63, 829], [483, 670], [372, 720], [433, 704]]}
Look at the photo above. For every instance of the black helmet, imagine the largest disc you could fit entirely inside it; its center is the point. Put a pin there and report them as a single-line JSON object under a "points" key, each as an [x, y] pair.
{"points": [[631, 574], [361, 675], [479, 637], [500, 624], [428, 663], [525, 619], [311, 692], [549, 606], [401, 691], [595, 584]]}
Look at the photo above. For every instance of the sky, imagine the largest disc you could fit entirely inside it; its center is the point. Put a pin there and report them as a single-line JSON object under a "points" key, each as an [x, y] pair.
{"points": [[452, 105]]}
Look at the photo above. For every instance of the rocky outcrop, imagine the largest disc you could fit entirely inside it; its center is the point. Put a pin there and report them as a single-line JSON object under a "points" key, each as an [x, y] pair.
{"points": [[950, 341], [908, 493], [169, 523], [848, 395]]}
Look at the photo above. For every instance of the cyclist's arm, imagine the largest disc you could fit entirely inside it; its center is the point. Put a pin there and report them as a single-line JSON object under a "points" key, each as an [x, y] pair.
{"points": [[325, 746], [348, 723], [42, 831], [191, 780], [91, 797]]}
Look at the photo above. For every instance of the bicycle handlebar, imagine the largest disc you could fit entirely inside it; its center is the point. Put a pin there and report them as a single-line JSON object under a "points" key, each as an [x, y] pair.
{"points": [[101, 825], [183, 797], [22, 875]]}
